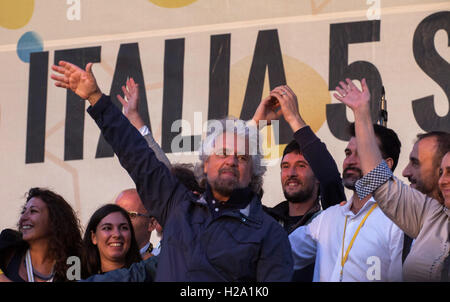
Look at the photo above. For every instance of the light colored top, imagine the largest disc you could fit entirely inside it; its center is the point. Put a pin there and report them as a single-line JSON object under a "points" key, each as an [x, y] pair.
{"points": [[376, 254], [424, 219], [419, 216], [156, 250], [144, 249]]}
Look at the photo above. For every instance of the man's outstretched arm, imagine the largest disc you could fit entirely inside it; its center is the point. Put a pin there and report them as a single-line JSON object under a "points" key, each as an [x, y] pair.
{"points": [[402, 204], [157, 187]]}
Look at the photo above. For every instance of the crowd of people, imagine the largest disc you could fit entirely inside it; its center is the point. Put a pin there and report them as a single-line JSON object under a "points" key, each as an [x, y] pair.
{"points": [[210, 218]]}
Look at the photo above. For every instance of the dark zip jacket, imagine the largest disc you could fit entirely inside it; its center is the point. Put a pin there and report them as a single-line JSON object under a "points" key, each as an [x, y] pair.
{"points": [[331, 190], [237, 245]]}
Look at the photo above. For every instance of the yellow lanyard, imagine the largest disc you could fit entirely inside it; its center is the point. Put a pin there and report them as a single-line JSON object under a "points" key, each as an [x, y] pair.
{"points": [[344, 258]]}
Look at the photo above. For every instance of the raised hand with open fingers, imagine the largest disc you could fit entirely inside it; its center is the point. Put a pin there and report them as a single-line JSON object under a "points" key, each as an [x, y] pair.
{"points": [[351, 96], [81, 82], [130, 103]]}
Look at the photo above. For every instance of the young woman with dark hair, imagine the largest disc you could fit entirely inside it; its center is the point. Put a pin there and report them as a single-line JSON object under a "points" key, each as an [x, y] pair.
{"points": [[109, 242]]}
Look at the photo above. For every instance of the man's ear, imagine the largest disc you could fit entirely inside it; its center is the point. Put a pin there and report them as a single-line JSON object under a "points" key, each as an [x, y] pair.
{"points": [[151, 224], [390, 162]]}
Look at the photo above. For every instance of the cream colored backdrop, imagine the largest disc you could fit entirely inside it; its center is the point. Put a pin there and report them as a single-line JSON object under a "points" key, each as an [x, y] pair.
{"points": [[303, 29]]}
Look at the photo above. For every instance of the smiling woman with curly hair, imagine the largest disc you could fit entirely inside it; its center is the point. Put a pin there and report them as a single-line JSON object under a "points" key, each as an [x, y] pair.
{"points": [[49, 233]]}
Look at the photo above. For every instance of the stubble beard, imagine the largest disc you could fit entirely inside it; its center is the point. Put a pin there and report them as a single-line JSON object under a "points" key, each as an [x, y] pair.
{"points": [[300, 196], [349, 180], [225, 186]]}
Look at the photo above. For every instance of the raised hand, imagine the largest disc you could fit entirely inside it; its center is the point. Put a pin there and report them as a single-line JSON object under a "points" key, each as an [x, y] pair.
{"points": [[81, 82], [268, 110], [289, 106], [131, 103], [351, 96], [366, 142]]}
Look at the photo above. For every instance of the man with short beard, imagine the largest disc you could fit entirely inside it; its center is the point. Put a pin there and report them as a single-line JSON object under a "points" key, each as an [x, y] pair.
{"points": [[305, 195], [425, 158], [222, 235], [353, 241], [304, 158], [423, 167]]}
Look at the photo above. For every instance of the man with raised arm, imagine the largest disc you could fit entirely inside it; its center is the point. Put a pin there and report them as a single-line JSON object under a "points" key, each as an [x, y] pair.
{"points": [[309, 176], [425, 159], [418, 215], [353, 241], [223, 235]]}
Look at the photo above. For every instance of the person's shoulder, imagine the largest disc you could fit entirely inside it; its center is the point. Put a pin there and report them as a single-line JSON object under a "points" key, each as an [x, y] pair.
{"points": [[383, 220], [271, 223], [10, 238], [328, 214], [278, 210], [10, 233], [334, 208], [435, 208]]}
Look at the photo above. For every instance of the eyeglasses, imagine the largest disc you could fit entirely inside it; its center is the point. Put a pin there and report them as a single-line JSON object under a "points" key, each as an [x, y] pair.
{"points": [[136, 214]]}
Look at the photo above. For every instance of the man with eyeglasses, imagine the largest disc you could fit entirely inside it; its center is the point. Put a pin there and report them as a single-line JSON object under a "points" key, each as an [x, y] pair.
{"points": [[143, 224], [222, 235]]}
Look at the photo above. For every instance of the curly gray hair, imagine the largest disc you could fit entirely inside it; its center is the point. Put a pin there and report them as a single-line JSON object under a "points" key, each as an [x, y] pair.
{"points": [[239, 128]]}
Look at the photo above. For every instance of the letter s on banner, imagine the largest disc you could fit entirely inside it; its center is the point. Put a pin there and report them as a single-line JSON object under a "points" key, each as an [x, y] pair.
{"points": [[435, 66]]}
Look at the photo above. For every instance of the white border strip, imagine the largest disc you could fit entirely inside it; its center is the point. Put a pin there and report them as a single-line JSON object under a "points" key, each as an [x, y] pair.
{"points": [[230, 26]]}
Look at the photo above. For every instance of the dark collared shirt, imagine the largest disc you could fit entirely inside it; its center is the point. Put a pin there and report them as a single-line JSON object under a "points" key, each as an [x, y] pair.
{"points": [[239, 199]]}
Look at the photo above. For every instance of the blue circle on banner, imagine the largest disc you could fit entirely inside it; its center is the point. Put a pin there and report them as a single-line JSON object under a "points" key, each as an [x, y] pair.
{"points": [[28, 43]]}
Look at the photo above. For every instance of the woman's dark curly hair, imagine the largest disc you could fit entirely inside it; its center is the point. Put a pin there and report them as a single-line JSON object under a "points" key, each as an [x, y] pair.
{"points": [[64, 228], [91, 262]]}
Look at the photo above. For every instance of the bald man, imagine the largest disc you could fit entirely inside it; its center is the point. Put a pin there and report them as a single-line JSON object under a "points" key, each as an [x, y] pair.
{"points": [[143, 224]]}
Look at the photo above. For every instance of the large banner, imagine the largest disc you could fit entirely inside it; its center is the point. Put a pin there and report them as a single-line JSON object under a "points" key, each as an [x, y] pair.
{"points": [[197, 60]]}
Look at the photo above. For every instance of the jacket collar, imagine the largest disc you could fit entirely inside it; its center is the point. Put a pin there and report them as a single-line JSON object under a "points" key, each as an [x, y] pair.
{"points": [[281, 210], [313, 210], [346, 208], [245, 204], [239, 198]]}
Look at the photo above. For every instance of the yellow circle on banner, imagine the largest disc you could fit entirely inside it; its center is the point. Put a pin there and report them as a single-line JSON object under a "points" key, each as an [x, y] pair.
{"points": [[309, 86], [172, 3], [15, 14]]}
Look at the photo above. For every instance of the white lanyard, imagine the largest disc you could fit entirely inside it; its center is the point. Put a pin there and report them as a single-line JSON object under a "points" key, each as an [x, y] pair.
{"points": [[29, 267]]}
